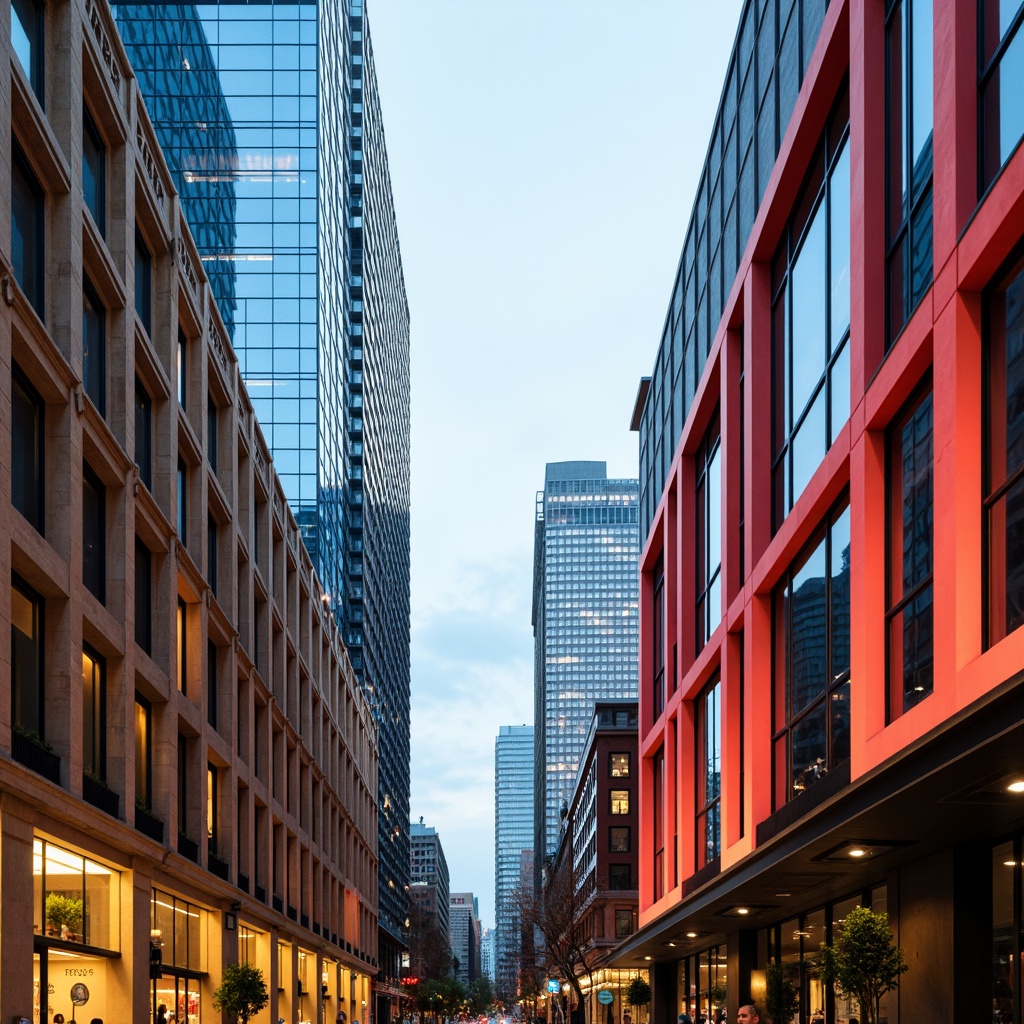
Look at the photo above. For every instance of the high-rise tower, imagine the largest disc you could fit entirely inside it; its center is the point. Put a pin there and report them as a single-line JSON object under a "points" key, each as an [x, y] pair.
{"points": [[585, 622], [270, 119], [513, 833]]}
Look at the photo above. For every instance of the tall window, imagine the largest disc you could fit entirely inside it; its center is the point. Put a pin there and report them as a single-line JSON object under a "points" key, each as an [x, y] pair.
{"points": [[143, 597], [620, 877], [1004, 454], [211, 432], [811, 609], [182, 367], [708, 528], [27, 40], [658, 637], [211, 808], [182, 646], [658, 814], [94, 714], [27, 688], [28, 432], [212, 683], [94, 171], [183, 786], [1001, 83], [909, 616], [708, 773], [28, 229], [143, 282], [211, 553], [811, 319], [909, 84], [143, 752], [182, 501], [94, 347], [94, 534], [144, 433], [623, 924]]}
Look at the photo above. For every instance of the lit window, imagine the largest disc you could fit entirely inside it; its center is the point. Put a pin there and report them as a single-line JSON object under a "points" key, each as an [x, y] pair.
{"points": [[94, 715], [182, 660], [619, 766], [620, 801]]}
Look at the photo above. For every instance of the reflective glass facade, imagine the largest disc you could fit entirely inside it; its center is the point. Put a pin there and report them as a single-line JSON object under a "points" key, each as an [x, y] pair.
{"points": [[269, 117], [585, 618], [513, 833]]}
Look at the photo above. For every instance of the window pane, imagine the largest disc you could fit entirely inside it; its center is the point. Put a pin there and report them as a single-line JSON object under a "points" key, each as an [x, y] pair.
{"points": [[839, 247], [809, 445], [94, 370], [144, 434], [1003, 113], [26, 658], [807, 348], [911, 650], [916, 465], [26, 40], [27, 436], [808, 749], [839, 391], [27, 231], [94, 525], [922, 90], [809, 632], [839, 617], [1006, 563], [93, 171], [839, 723], [1004, 968]]}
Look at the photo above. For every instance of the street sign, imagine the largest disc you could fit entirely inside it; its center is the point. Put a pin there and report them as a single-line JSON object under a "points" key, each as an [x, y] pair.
{"points": [[605, 996], [553, 985]]}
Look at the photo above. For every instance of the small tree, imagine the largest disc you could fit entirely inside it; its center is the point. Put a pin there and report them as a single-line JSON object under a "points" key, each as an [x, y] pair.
{"points": [[781, 997], [863, 961], [638, 992], [242, 993]]}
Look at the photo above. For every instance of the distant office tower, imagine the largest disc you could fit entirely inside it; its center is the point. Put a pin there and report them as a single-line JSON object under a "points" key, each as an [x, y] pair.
{"points": [[465, 925], [429, 873], [513, 833], [487, 954], [585, 623], [249, 100]]}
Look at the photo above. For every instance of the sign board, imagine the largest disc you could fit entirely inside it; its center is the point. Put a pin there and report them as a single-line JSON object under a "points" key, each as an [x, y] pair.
{"points": [[605, 996], [553, 985]]}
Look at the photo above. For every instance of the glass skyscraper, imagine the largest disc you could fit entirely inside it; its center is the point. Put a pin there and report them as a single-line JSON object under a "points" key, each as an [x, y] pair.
{"points": [[513, 833], [585, 622], [269, 118]]}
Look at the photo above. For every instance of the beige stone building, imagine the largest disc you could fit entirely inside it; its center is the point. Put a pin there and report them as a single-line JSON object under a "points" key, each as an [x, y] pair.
{"points": [[187, 766]]}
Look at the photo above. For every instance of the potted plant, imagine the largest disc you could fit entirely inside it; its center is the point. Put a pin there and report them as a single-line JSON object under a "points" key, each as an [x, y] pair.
{"points": [[863, 961], [638, 992], [63, 915], [242, 993], [781, 996]]}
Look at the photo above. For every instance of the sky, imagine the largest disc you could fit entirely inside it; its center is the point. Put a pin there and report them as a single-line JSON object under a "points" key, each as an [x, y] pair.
{"points": [[544, 157]]}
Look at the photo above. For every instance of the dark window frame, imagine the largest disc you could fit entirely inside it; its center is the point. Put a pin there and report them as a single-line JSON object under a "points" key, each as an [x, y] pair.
{"points": [[143, 282], [94, 161], [612, 765], [94, 347], [28, 450], [28, 260], [34, 27], [835, 677], [94, 715], [625, 845], [144, 433], [620, 877], [143, 596], [901, 596], [658, 637], [707, 836], [143, 752], [94, 534], [30, 718], [990, 65]]}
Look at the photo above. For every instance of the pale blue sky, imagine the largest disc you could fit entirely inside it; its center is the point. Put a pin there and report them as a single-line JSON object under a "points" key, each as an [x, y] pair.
{"points": [[544, 158]]}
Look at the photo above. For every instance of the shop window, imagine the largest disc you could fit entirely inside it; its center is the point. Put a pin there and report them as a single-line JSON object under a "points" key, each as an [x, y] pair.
{"points": [[75, 899], [179, 930], [94, 347], [658, 638], [708, 773], [618, 766], [28, 226], [1004, 457], [143, 597], [620, 877], [708, 529], [94, 534], [1007, 924], [908, 154], [620, 801], [144, 433], [94, 715], [28, 442], [1001, 72], [811, 610], [27, 687], [909, 615], [27, 40], [143, 282], [182, 646], [618, 839], [94, 171], [143, 753], [811, 320]]}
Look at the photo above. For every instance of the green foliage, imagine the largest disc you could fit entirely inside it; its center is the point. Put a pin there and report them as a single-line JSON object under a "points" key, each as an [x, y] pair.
{"points": [[863, 961], [242, 993], [440, 996], [63, 911], [481, 996], [781, 996], [638, 992]]}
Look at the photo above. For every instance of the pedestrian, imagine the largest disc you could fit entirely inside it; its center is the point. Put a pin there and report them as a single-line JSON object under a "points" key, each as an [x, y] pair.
{"points": [[748, 1014], [685, 1018], [161, 1014]]}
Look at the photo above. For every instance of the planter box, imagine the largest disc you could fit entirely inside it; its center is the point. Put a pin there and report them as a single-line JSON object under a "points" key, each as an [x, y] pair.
{"points": [[35, 757], [149, 825], [188, 847], [217, 866], [100, 796]]}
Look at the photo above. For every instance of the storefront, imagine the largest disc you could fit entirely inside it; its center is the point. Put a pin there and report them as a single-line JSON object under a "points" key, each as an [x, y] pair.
{"points": [[179, 940]]}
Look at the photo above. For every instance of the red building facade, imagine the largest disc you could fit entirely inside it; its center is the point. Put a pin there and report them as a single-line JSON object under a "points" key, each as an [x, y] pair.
{"points": [[831, 703]]}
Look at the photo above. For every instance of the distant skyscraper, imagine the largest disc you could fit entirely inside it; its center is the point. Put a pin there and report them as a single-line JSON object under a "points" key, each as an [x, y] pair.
{"points": [[465, 925], [487, 954], [585, 622], [513, 833], [430, 871], [269, 116]]}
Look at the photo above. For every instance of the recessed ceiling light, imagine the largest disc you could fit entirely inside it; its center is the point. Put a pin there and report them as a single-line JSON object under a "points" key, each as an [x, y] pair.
{"points": [[672, 945], [647, 958], [1009, 863], [857, 851], [1017, 786], [742, 911], [691, 935]]}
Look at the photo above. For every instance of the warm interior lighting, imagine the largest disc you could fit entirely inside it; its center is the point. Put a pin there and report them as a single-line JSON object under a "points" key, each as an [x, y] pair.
{"points": [[691, 935], [858, 851], [1017, 786], [742, 910], [647, 958]]}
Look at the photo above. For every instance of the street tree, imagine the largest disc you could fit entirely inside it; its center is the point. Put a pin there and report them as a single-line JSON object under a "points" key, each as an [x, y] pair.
{"points": [[242, 993]]}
